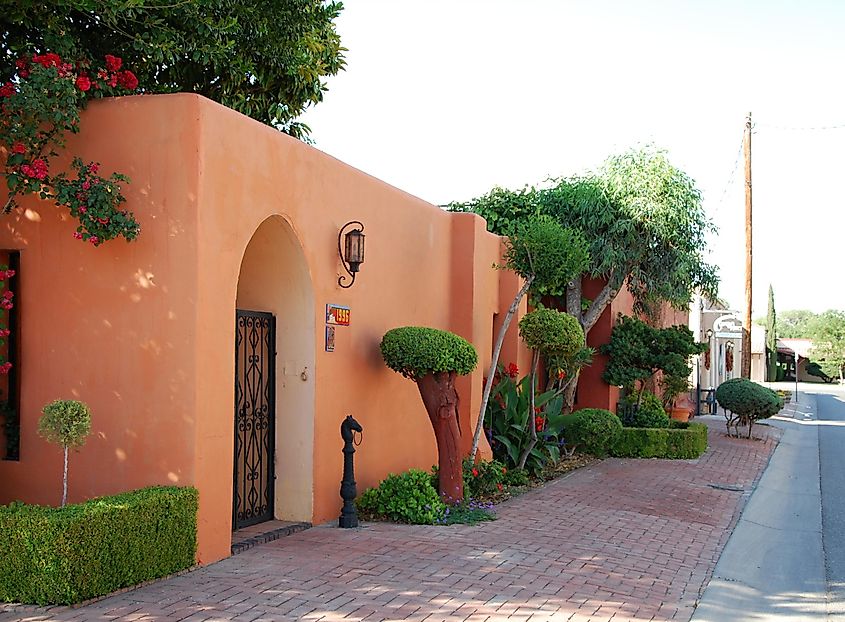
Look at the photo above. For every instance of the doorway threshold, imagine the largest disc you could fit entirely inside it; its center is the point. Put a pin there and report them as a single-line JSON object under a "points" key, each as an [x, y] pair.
{"points": [[248, 537]]}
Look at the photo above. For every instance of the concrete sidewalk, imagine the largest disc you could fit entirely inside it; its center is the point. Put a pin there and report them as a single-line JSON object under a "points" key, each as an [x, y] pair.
{"points": [[619, 540], [773, 568]]}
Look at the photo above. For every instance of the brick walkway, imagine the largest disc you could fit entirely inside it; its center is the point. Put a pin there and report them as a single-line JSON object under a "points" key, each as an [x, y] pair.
{"points": [[619, 540]]}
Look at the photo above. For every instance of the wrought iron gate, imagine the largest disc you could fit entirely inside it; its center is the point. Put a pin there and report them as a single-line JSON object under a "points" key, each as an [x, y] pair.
{"points": [[255, 399]]}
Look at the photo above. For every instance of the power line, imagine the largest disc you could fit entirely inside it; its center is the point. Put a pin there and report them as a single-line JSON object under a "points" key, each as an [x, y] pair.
{"points": [[731, 177], [817, 128]]}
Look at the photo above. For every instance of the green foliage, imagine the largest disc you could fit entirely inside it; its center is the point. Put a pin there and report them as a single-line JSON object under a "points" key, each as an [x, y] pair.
{"points": [[814, 369], [41, 106], [66, 555], [637, 351], [671, 442], [468, 512], [748, 399], [264, 58], [641, 217], [416, 351], [771, 338], [643, 410], [672, 387], [552, 332], [507, 421], [828, 334], [405, 498], [546, 252], [796, 324], [516, 477], [592, 430], [483, 478], [65, 422]]}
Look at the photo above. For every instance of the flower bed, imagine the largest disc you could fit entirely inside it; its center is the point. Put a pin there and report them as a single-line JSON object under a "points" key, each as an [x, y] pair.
{"points": [[70, 554]]}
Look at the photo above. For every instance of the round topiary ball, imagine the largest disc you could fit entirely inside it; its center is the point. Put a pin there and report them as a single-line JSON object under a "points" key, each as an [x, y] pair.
{"points": [[416, 351], [593, 431], [649, 414], [552, 332]]}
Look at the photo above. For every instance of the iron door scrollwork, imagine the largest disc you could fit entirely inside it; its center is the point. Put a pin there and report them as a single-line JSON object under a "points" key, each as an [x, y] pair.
{"points": [[255, 350]]}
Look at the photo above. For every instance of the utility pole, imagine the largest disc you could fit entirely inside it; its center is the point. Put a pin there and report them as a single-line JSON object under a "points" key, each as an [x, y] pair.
{"points": [[746, 324]]}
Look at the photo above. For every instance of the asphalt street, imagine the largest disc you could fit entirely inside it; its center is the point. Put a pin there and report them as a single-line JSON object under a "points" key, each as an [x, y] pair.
{"points": [[786, 557], [831, 431]]}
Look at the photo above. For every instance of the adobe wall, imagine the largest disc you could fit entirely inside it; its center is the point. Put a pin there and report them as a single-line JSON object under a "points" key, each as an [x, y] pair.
{"points": [[144, 332]]}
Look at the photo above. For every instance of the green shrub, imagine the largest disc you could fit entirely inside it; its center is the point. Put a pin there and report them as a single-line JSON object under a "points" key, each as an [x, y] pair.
{"points": [[516, 477], [679, 441], [551, 331], [592, 430], [408, 497], [415, 351], [507, 421], [483, 478], [649, 413], [66, 555], [747, 402]]}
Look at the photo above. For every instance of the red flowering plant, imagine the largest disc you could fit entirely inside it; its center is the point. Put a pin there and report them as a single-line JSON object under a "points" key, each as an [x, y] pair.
{"points": [[509, 414], [6, 303], [39, 105]]}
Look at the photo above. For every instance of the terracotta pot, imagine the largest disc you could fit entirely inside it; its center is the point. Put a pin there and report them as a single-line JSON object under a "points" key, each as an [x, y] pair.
{"points": [[679, 414]]}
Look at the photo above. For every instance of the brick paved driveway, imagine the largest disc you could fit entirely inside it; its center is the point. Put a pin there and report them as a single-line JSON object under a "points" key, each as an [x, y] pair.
{"points": [[618, 540]]}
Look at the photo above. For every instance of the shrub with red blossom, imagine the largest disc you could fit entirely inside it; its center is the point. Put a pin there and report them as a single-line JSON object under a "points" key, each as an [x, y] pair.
{"points": [[39, 105]]}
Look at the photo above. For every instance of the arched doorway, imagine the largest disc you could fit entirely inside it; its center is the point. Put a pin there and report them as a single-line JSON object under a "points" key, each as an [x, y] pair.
{"points": [[274, 387]]}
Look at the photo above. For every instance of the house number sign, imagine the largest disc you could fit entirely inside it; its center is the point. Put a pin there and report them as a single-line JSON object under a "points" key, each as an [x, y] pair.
{"points": [[337, 315]]}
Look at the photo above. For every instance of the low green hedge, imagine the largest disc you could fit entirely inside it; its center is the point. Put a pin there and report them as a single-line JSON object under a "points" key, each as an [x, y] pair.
{"points": [[680, 441], [67, 555]]}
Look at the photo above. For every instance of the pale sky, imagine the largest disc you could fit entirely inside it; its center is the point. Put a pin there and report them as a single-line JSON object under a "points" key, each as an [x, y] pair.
{"points": [[446, 99]]}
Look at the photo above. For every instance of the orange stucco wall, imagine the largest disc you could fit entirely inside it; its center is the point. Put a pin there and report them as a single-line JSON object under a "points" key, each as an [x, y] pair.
{"points": [[144, 332]]}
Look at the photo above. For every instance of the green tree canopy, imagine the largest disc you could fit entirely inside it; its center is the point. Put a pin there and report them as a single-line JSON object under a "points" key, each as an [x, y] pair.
{"points": [[828, 334], [264, 58], [415, 351]]}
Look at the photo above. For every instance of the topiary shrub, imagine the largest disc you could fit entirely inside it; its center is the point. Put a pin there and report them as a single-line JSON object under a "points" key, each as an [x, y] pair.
{"points": [[551, 331], [746, 402], [70, 554], [643, 410], [66, 423], [433, 358], [592, 430], [405, 498], [683, 441]]}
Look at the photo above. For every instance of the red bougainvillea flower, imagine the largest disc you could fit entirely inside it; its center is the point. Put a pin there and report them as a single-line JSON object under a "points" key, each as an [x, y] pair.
{"points": [[4, 332], [83, 83], [37, 169], [8, 294], [113, 63], [512, 370], [77, 235], [49, 59], [93, 168], [22, 63], [8, 274], [18, 148], [127, 80], [113, 81], [94, 240], [475, 472], [538, 409], [5, 368], [7, 90]]}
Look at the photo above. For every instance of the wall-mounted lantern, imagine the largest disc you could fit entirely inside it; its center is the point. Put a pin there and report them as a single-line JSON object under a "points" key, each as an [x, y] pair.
{"points": [[350, 247]]}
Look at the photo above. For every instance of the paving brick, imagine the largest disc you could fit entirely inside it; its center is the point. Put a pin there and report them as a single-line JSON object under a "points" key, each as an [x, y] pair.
{"points": [[619, 540]]}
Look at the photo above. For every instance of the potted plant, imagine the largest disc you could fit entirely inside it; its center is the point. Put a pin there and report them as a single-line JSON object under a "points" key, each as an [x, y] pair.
{"points": [[676, 397]]}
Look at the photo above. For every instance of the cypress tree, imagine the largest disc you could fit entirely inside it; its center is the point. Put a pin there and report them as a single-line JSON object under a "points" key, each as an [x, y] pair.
{"points": [[771, 339]]}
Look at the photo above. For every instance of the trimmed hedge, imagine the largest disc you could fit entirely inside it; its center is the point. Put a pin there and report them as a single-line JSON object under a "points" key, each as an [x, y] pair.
{"points": [[679, 441], [592, 430], [70, 554]]}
